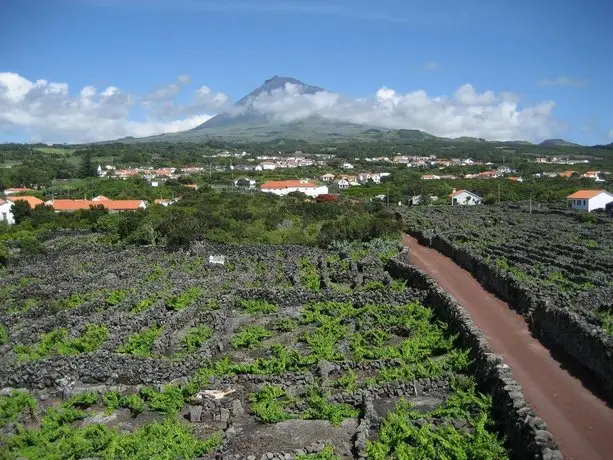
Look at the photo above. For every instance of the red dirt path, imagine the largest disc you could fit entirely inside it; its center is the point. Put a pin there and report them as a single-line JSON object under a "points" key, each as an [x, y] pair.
{"points": [[581, 422]]}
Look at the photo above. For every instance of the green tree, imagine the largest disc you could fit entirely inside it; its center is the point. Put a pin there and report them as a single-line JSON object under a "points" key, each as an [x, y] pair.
{"points": [[87, 168]]}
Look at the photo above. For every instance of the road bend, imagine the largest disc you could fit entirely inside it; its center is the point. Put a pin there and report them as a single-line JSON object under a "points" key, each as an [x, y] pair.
{"points": [[581, 422]]}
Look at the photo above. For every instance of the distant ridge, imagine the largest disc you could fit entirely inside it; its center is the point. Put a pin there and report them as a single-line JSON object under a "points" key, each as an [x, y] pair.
{"points": [[558, 143]]}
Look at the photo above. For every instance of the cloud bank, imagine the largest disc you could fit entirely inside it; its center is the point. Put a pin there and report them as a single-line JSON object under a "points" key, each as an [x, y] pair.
{"points": [[49, 112]]}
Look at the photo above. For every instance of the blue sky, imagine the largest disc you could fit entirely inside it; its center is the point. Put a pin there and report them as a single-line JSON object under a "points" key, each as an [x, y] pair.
{"points": [[554, 57]]}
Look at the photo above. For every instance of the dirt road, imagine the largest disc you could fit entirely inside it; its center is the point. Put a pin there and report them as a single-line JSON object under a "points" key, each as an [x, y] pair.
{"points": [[581, 422]]}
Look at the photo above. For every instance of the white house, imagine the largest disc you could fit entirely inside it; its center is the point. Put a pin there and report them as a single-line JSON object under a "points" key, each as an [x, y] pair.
{"points": [[347, 166], [589, 200], [244, 182], [6, 214], [343, 184], [327, 177], [464, 197], [268, 166], [283, 187]]}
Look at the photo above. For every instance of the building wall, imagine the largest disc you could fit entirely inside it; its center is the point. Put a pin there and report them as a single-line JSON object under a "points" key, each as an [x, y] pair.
{"points": [[600, 201], [6, 215], [463, 197], [310, 191], [580, 205]]}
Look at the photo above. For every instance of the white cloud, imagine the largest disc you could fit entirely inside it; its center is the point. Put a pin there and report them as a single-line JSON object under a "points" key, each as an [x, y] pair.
{"points": [[611, 134], [563, 81], [468, 113], [48, 112], [432, 65]]}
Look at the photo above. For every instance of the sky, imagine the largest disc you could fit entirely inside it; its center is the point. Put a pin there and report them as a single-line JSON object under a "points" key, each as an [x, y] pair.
{"points": [[88, 70]]}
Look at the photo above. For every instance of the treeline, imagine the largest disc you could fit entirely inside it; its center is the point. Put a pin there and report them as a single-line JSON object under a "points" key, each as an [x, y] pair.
{"points": [[223, 218]]}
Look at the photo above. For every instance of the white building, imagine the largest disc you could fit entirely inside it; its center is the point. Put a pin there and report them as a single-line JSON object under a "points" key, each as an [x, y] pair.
{"points": [[283, 187], [267, 166], [464, 197], [589, 200], [6, 214], [343, 184]]}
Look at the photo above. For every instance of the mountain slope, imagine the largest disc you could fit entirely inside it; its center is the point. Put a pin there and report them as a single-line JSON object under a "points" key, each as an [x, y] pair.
{"points": [[557, 143], [246, 114]]}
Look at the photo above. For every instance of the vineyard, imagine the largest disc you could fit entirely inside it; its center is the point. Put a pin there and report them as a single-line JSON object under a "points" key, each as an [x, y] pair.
{"points": [[567, 259], [281, 352]]}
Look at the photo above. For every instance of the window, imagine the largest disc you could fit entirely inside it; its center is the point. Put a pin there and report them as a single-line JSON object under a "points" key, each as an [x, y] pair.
{"points": [[583, 202], [4, 217]]}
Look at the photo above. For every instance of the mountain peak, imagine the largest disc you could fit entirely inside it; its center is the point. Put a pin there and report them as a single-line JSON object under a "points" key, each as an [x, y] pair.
{"points": [[274, 83]]}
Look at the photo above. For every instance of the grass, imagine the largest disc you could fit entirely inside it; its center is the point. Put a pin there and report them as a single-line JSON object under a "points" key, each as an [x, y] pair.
{"points": [[250, 336], [253, 306], [58, 342], [141, 343]]}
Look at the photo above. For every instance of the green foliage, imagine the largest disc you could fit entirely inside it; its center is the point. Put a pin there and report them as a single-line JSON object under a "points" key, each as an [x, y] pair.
{"points": [[250, 336], [114, 400], [400, 437], [73, 301], [116, 297], [326, 454], [4, 254], [155, 274], [58, 342], [169, 401], [285, 324], [254, 306], [183, 300], [309, 275], [12, 406], [141, 343], [347, 381], [398, 285], [29, 244], [144, 304], [81, 401], [57, 438], [319, 408], [196, 337], [270, 403], [4, 335]]}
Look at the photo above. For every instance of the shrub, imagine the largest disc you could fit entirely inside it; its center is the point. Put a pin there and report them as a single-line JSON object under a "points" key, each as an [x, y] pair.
{"points": [[250, 336], [183, 300], [12, 405], [285, 324], [4, 335], [170, 400], [268, 405], [326, 454], [116, 297], [196, 337], [253, 306], [321, 409], [141, 343], [82, 401]]}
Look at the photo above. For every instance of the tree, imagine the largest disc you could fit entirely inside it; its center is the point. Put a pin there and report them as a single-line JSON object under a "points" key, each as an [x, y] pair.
{"points": [[87, 168], [21, 211]]}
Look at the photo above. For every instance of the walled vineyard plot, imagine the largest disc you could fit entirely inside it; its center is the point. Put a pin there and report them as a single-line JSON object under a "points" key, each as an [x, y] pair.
{"points": [[283, 352], [567, 259]]}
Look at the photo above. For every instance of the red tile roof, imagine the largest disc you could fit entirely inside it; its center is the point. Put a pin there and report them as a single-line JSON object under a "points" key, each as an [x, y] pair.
{"points": [[70, 205], [585, 194], [31, 200], [122, 205], [281, 184]]}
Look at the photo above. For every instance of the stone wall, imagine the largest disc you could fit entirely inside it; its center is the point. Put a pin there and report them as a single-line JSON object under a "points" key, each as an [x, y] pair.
{"points": [[554, 325], [526, 433]]}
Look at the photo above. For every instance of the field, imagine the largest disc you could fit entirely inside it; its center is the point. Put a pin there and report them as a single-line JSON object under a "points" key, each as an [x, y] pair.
{"points": [[282, 352], [565, 258]]}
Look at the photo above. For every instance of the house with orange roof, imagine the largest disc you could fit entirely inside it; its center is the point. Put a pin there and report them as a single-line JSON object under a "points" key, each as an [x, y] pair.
{"points": [[113, 206], [515, 179], [566, 174], [589, 200], [465, 198], [31, 200], [70, 205], [283, 187]]}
